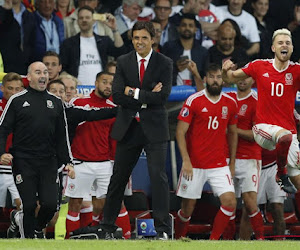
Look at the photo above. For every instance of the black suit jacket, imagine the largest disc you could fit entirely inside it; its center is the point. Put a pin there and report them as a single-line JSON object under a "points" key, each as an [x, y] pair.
{"points": [[154, 118]]}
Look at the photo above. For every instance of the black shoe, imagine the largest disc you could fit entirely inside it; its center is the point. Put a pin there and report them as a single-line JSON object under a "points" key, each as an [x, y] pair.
{"points": [[39, 235], [13, 230], [161, 236], [105, 235], [118, 234], [285, 183]]}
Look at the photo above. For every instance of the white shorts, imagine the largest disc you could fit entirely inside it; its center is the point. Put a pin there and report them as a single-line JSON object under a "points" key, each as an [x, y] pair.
{"points": [[7, 183], [247, 174], [219, 179], [264, 135], [268, 189], [86, 174]]}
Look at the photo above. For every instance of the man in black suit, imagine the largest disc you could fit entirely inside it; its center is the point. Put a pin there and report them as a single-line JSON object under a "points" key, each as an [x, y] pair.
{"points": [[141, 123]]}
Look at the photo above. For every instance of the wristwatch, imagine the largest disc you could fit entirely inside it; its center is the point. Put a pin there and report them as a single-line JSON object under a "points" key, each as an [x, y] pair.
{"points": [[131, 92]]}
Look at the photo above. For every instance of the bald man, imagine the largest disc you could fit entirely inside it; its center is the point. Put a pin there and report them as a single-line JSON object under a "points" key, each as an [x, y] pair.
{"points": [[40, 146], [225, 48]]}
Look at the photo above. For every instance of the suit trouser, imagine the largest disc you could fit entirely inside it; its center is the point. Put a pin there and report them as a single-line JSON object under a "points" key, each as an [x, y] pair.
{"points": [[127, 154], [36, 177]]}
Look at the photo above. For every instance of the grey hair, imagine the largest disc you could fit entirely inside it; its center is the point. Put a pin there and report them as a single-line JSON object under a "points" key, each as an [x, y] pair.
{"points": [[140, 3]]}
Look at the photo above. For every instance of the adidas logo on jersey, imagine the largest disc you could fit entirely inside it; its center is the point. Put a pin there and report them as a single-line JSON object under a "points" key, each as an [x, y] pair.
{"points": [[204, 110], [266, 74], [26, 104]]}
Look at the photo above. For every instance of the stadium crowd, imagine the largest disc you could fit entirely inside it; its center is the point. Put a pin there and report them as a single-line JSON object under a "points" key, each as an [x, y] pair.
{"points": [[59, 143]]}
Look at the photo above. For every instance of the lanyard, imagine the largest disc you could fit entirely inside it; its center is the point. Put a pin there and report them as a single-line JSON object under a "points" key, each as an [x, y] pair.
{"points": [[123, 19], [51, 35]]}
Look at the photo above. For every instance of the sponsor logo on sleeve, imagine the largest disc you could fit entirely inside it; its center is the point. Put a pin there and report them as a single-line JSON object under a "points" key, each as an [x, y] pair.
{"points": [[184, 112]]}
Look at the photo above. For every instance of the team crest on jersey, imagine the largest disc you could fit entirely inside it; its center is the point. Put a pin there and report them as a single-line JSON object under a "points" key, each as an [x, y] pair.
{"points": [[185, 112], [288, 79], [50, 104], [224, 112], [19, 179], [71, 187], [184, 187], [243, 109]]}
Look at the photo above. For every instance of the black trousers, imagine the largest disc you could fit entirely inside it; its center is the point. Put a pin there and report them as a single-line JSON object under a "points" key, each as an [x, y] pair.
{"points": [[36, 177], [127, 154]]}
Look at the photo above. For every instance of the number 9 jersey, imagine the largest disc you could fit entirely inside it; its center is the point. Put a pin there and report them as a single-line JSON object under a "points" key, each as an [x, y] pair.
{"points": [[206, 136]]}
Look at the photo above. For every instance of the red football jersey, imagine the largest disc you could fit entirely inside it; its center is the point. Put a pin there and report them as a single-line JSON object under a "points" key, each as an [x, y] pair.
{"points": [[206, 136], [276, 92], [92, 141], [246, 119]]}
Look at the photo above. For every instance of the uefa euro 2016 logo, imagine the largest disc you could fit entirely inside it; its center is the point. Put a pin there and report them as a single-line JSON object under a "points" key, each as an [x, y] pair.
{"points": [[143, 226]]}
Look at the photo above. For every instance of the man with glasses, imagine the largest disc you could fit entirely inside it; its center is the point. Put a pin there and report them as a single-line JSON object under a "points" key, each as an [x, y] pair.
{"points": [[163, 9]]}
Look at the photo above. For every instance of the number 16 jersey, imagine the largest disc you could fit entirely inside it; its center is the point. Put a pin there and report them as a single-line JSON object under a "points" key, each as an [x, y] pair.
{"points": [[206, 136]]}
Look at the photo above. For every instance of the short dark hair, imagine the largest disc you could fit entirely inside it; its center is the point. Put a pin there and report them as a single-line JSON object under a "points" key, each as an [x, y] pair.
{"points": [[213, 67], [148, 26], [189, 16], [103, 73], [110, 64], [58, 81], [11, 76], [52, 53], [86, 8]]}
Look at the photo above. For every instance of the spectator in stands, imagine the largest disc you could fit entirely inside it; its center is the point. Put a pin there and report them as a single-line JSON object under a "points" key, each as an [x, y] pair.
{"points": [[111, 67], [190, 7], [246, 22], [50, 29], [176, 7], [70, 83], [11, 84], [129, 14], [240, 41], [158, 31], [17, 32], [207, 117], [99, 27], [162, 9], [64, 8], [40, 142], [210, 17], [225, 47], [85, 54], [281, 14], [185, 52], [265, 27], [248, 159], [52, 61]]}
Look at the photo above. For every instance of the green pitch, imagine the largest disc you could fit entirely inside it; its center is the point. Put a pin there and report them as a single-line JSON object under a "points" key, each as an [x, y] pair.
{"points": [[148, 245]]}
